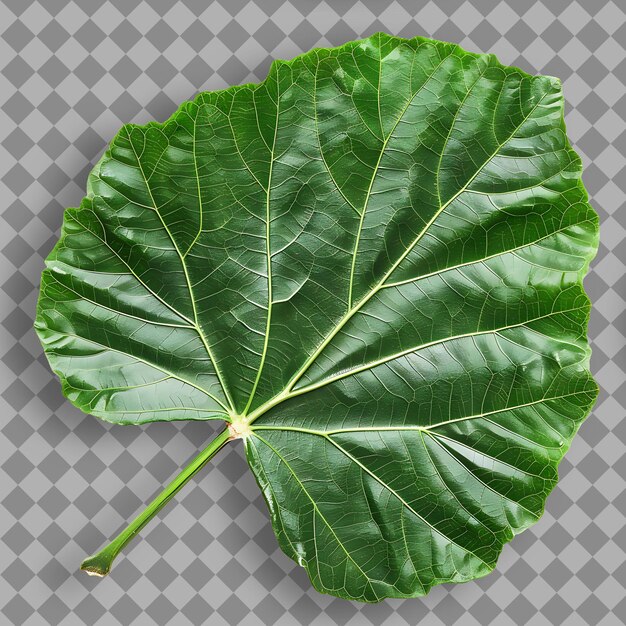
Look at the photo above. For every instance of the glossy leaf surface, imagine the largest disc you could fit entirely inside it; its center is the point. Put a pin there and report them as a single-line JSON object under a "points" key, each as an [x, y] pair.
{"points": [[371, 265]]}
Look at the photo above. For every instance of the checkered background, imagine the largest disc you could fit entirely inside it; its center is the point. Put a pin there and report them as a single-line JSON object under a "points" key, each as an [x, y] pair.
{"points": [[71, 74]]}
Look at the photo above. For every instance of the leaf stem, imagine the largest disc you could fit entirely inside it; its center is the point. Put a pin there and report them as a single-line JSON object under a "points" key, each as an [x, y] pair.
{"points": [[100, 564]]}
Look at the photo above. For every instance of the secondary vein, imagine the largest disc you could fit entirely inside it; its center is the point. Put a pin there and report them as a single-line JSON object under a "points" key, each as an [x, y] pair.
{"points": [[184, 266], [409, 428], [375, 172]]}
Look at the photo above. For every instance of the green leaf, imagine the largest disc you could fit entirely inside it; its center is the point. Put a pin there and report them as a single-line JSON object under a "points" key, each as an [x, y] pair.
{"points": [[371, 266]]}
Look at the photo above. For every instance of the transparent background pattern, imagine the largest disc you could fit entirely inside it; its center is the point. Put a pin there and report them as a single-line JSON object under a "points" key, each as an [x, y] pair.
{"points": [[71, 74]]}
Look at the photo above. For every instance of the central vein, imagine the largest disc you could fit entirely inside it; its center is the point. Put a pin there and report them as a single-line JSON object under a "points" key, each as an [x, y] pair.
{"points": [[268, 253]]}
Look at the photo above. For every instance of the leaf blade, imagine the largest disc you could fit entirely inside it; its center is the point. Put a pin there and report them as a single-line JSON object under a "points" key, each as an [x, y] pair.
{"points": [[373, 261]]}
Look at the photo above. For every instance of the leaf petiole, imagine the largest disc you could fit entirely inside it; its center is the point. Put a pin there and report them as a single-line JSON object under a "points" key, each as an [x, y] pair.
{"points": [[100, 564]]}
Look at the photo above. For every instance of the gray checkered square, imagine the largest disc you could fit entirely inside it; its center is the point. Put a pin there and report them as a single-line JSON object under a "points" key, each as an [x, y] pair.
{"points": [[70, 74]]}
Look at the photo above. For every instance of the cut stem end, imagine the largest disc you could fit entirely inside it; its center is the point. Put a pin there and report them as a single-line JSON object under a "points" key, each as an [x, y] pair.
{"points": [[96, 565]]}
